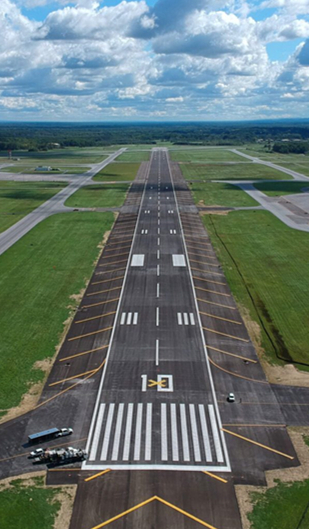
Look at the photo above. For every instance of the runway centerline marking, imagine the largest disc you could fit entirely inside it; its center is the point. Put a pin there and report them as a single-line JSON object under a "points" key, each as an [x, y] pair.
{"points": [[157, 352]]}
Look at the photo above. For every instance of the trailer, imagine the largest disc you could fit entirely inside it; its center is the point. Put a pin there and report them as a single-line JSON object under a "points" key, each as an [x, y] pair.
{"points": [[60, 456], [45, 435]]}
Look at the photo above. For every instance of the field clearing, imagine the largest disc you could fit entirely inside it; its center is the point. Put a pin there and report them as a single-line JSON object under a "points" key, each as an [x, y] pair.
{"points": [[37, 277], [204, 155], [117, 172], [99, 196], [241, 171], [17, 199], [261, 254], [134, 156], [68, 156], [220, 194], [31, 170], [276, 189]]}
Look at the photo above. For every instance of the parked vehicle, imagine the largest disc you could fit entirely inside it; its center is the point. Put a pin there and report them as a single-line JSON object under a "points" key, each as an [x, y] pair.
{"points": [[52, 433], [36, 453], [231, 397], [60, 456]]}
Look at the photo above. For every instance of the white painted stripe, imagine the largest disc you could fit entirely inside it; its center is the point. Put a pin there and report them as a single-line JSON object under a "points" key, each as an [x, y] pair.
{"points": [[196, 445], [179, 260], [158, 241], [184, 433], [157, 317], [205, 433], [185, 318], [179, 318], [157, 352], [138, 432], [143, 231], [97, 432], [138, 260], [171, 231], [158, 270], [146, 231], [158, 290], [123, 317], [164, 455], [158, 254], [117, 432], [158, 231], [175, 232], [175, 448], [107, 432], [192, 320], [215, 433], [127, 437], [129, 318], [135, 317], [148, 432]]}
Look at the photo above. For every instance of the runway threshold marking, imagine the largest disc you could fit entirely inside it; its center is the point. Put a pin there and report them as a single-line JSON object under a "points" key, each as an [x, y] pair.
{"points": [[232, 354], [214, 476], [207, 281], [224, 334], [150, 500], [236, 375], [207, 272], [212, 291], [71, 378], [99, 303], [107, 280], [96, 317], [114, 262], [213, 303], [256, 443], [90, 334], [220, 318], [84, 353], [98, 475], [203, 263], [104, 291]]}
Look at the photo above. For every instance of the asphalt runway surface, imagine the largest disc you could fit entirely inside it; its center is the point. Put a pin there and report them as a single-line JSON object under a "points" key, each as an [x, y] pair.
{"points": [[144, 373]]}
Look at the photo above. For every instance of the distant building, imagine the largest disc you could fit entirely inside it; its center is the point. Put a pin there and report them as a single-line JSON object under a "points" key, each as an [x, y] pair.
{"points": [[43, 168]]}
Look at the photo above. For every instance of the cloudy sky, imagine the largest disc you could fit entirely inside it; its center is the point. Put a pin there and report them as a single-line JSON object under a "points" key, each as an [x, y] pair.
{"points": [[153, 60]]}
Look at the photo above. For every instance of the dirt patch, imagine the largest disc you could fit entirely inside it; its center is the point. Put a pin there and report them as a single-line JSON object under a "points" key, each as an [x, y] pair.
{"points": [[28, 479], [300, 473]]}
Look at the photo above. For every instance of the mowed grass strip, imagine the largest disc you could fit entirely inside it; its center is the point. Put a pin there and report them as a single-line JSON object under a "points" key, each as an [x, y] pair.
{"points": [[38, 276], [17, 199], [276, 189], [284, 506], [238, 171], [220, 194], [28, 506], [134, 156], [204, 155], [99, 196], [265, 259], [117, 172]]}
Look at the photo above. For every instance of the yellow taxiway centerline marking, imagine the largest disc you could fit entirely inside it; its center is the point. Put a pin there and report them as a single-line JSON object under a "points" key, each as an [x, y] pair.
{"points": [[89, 334], [208, 281], [122, 248], [84, 353], [238, 376], [96, 317], [107, 280], [213, 303], [185, 513], [138, 506], [110, 271], [212, 291], [111, 256], [71, 378], [224, 334], [207, 272], [98, 475], [100, 303], [213, 476], [103, 291], [257, 444], [220, 318], [232, 354], [203, 262], [114, 262]]}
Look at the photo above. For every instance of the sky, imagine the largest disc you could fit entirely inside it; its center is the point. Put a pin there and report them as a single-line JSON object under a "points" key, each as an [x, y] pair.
{"points": [[154, 60]]}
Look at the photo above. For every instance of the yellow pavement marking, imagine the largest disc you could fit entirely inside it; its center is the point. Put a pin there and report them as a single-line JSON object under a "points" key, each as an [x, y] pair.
{"points": [[110, 271], [71, 378], [138, 506], [208, 256], [89, 334], [161, 383], [100, 303], [232, 354], [207, 272], [122, 248], [218, 304], [220, 318], [208, 281], [203, 262], [213, 291], [224, 334], [104, 291], [98, 475], [185, 513], [24, 454], [96, 317], [213, 476], [84, 353], [115, 243], [114, 262], [111, 256], [257, 425], [257, 444], [107, 280], [236, 375]]}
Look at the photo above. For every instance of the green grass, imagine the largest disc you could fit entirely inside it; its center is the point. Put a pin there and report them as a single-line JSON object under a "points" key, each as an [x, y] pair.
{"points": [[263, 255], [17, 199], [220, 194], [281, 507], [59, 169], [54, 156], [28, 507], [240, 171], [306, 439], [99, 196], [37, 277], [134, 156], [117, 172], [276, 189], [204, 155]]}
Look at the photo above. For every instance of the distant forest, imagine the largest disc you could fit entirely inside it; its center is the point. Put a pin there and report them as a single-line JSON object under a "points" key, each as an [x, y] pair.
{"points": [[279, 136]]}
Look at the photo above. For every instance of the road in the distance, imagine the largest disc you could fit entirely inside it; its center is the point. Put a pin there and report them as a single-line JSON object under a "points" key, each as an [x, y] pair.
{"points": [[156, 407]]}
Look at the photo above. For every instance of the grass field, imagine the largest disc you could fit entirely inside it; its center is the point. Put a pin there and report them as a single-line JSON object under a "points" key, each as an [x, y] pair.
{"points": [[204, 155], [28, 507], [99, 196], [134, 156], [31, 169], [37, 277], [220, 194], [69, 156], [118, 172], [17, 199], [263, 257], [281, 507], [241, 171], [276, 189]]}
